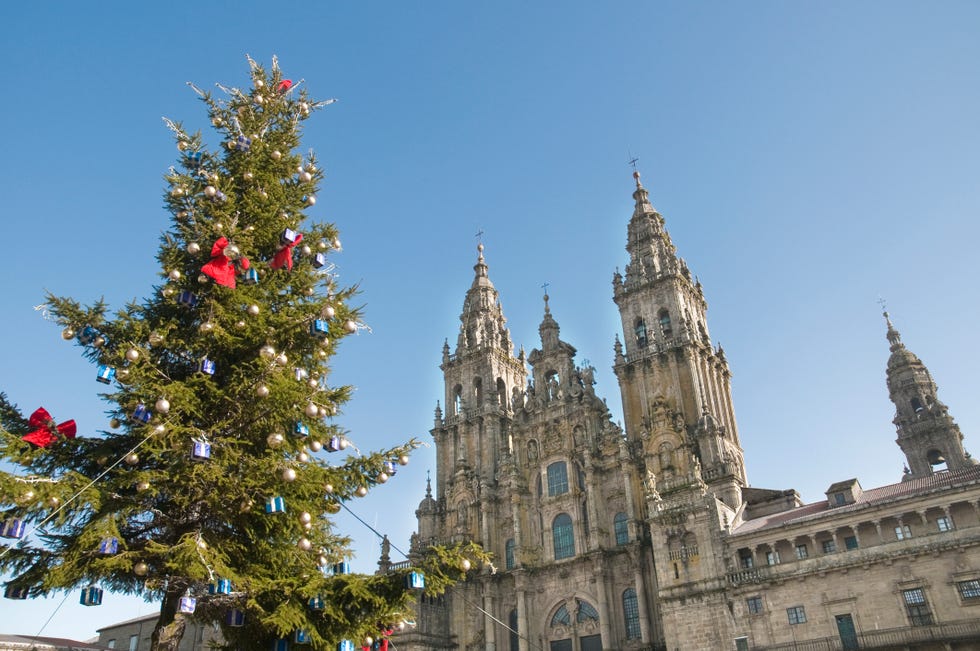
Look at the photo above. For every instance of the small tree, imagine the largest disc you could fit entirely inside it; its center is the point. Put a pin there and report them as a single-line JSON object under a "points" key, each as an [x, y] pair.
{"points": [[213, 486]]}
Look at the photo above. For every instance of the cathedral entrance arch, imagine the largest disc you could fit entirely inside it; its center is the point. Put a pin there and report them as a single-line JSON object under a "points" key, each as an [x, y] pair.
{"points": [[574, 626]]}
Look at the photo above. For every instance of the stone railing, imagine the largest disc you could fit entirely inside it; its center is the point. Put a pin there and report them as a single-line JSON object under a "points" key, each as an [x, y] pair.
{"points": [[908, 637]]}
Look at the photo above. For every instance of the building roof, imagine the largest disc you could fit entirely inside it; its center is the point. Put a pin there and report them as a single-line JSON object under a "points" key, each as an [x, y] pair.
{"points": [[937, 482], [30, 641], [135, 620]]}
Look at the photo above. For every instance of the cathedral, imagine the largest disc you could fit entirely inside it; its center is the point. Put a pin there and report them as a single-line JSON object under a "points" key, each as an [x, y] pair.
{"points": [[650, 536]]}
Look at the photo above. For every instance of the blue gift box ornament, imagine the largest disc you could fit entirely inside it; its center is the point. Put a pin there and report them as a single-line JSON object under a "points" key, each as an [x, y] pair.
{"points": [[300, 374], [301, 637], [187, 298], [275, 505], [15, 592], [206, 366], [235, 618], [106, 374], [91, 596], [301, 430], [194, 159], [319, 261], [109, 546], [317, 603], [280, 645], [320, 328], [87, 335], [251, 276], [345, 645], [187, 605], [12, 528], [333, 445], [243, 143], [142, 414], [200, 450], [343, 567], [390, 468], [289, 236], [221, 586], [415, 581]]}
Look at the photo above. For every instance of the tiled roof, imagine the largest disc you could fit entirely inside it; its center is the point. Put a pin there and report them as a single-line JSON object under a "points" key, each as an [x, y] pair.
{"points": [[922, 486], [135, 620], [56, 642]]}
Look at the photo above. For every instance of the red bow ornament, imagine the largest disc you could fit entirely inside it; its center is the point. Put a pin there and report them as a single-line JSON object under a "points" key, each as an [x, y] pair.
{"points": [[220, 267], [284, 85], [284, 256], [45, 431]]}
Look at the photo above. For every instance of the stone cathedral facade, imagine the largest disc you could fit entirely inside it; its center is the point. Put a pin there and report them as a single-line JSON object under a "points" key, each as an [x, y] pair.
{"points": [[652, 537]]}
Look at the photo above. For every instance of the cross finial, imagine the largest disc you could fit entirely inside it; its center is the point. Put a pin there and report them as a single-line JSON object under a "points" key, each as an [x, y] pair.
{"points": [[479, 235], [883, 304], [545, 286], [636, 174]]}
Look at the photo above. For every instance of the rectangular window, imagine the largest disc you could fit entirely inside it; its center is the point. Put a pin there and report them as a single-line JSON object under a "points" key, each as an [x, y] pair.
{"points": [[801, 552], [851, 542], [829, 546], [111, 643], [134, 642], [944, 523], [969, 589], [917, 606], [557, 478], [745, 559], [839, 499], [796, 615], [902, 532], [741, 644], [754, 605], [772, 558]]}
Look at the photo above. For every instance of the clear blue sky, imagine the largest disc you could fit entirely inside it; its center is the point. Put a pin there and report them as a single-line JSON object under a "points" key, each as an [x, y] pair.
{"points": [[808, 157]]}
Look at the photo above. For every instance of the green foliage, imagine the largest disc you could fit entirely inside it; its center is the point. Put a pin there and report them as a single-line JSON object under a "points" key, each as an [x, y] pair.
{"points": [[182, 523]]}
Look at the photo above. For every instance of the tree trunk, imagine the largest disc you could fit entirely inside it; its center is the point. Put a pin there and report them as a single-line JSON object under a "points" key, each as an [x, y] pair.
{"points": [[171, 624]]}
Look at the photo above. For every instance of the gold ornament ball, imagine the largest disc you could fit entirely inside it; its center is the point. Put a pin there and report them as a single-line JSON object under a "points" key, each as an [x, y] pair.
{"points": [[143, 486], [311, 200], [350, 326], [306, 250], [321, 245], [315, 446], [262, 391], [203, 279], [304, 108], [305, 544], [336, 243], [181, 145], [253, 310], [309, 291], [322, 561], [99, 341], [466, 565], [276, 154], [305, 517], [329, 312], [207, 326], [274, 440], [210, 191], [239, 324], [302, 457], [193, 248], [321, 412], [383, 478], [140, 569], [174, 275], [246, 505], [305, 177], [114, 423], [259, 99], [156, 338], [368, 641], [183, 214], [322, 354], [289, 474], [312, 410], [67, 334], [263, 194], [267, 351], [281, 359], [132, 458], [328, 488], [26, 496], [344, 443], [308, 526], [54, 501], [259, 83], [361, 491], [168, 291], [232, 251], [248, 176], [132, 354], [313, 384], [163, 406], [218, 226], [403, 460]]}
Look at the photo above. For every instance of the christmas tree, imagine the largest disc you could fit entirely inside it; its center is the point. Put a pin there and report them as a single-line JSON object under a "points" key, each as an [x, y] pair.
{"points": [[213, 486]]}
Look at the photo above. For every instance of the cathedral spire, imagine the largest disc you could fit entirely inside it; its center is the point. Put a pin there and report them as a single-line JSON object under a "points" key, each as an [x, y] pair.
{"points": [[482, 320], [927, 434]]}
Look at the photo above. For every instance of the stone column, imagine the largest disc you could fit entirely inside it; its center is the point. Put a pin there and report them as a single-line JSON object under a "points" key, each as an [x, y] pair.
{"points": [[490, 626]]}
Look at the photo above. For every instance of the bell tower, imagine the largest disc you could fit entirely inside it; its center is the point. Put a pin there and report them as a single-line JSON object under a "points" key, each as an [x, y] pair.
{"points": [[927, 433], [675, 385], [482, 378]]}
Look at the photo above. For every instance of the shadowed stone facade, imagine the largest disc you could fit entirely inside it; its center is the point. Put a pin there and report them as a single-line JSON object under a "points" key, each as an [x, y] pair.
{"points": [[651, 537]]}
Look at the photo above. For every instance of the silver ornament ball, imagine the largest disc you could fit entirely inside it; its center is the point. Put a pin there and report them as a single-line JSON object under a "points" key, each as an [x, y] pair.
{"points": [[253, 310], [163, 406], [302, 457], [276, 154], [315, 446], [262, 391], [140, 569], [305, 544], [193, 248], [289, 474], [311, 410], [132, 458], [132, 354], [267, 351], [361, 491], [274, 440], [174, 275], [67, 334]]}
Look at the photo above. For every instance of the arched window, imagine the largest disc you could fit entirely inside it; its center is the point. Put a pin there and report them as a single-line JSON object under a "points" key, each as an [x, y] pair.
{"points": [[515, 639], [631, 614], [916, 405], [509, 554], [458, 400], [640, 330], [557, 478], [561, 617], [478, 391], [622, 528], [501, 393], [563, 537], [586, 612], [664, 317]]}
